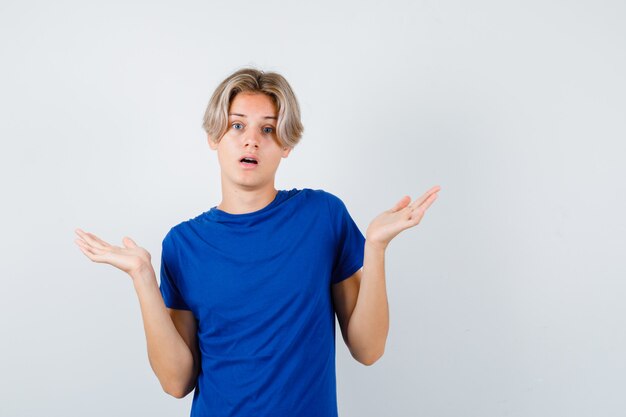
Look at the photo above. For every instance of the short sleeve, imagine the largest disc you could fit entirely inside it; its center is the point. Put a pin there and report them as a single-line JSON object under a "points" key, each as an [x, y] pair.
{"points": [[169, 283], [350, 242]]}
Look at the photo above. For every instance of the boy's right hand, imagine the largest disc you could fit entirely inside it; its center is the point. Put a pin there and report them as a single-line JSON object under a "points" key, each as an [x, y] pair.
{"points": [[131, 258]]}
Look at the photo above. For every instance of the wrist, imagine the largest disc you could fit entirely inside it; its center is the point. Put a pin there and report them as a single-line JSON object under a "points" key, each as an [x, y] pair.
{"points": [[374, 245], [143, 275]]}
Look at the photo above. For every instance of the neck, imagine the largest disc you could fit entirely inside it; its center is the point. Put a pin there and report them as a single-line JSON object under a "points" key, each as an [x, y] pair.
{"points": [[239, 201]]}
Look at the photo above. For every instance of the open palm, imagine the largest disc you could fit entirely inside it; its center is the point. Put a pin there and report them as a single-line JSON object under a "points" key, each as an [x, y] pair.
{"points": [[402, 216], [130, 258]]}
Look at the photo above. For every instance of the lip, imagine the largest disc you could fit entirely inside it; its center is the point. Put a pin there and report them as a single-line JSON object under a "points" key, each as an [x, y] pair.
{"points": [[247, 166], [250, 155]]}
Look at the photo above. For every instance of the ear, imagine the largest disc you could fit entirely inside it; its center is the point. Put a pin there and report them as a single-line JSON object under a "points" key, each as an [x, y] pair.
{"points": [[212, 144], [286, 151]]}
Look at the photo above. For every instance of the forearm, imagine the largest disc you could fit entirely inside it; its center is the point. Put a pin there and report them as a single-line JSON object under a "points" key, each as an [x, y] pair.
{"points": [[369, 322], [169, 356]]}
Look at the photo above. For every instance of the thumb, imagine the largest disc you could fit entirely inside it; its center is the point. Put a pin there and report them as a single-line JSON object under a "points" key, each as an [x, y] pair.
{"points": [[128, 242], [404, 201]]}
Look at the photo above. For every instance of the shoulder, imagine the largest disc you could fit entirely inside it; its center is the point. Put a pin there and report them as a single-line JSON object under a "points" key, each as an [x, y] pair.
{"points": [[185, 227], [323, 195], [175, 232], [169, 238], [328, 203], [320, 199]]}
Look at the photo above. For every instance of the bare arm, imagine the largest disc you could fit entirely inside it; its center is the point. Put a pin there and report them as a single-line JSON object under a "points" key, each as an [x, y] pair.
{"points": [[170, 335], [362, 309], [361, 300]]}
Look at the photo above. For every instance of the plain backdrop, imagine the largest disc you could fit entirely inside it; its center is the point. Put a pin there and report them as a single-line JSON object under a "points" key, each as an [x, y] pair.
{"points": [[506, 300]]}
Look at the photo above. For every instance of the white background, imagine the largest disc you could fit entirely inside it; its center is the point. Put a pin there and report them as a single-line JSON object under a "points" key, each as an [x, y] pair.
{"points": [[508, 298]]}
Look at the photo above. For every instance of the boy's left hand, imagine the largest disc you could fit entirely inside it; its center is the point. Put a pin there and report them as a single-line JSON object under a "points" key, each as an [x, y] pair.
{"points": [[403, 215]]}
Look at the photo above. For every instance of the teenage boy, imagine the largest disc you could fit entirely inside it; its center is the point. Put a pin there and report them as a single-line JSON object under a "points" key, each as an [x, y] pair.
{"points": [[245, 310]]}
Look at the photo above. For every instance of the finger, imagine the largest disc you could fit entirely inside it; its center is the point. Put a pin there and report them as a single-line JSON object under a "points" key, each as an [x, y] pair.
{"points": [[88, 251], [426, 195], [92, 249], [418, 202], [401, 204], [419, 211], [97, 239], [128, 242], [101, 242], [92, 239]]}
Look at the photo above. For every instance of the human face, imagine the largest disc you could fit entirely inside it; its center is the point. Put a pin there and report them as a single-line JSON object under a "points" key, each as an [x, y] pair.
{"points": [[252, 119]]}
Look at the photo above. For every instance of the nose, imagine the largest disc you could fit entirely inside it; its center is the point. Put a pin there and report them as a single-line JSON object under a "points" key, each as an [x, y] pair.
{"points": [[251, 139]]}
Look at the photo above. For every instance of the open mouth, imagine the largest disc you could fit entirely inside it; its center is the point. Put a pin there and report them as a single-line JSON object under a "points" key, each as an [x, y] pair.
{"points": [[249, 161]]}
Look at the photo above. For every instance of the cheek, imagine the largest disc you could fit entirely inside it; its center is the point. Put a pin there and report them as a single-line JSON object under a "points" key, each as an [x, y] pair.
{"points": [[225, 153], [276, 159]]}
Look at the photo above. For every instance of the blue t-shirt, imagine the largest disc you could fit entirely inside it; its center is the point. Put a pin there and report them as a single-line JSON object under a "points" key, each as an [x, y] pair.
{"points": [[259, 286]]}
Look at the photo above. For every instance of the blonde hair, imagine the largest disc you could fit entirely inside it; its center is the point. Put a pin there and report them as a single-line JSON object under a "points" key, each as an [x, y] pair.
{"points": [[289, 127]]}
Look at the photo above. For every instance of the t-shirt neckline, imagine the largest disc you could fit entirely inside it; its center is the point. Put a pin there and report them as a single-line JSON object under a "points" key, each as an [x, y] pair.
{"points": [[217, 213]]}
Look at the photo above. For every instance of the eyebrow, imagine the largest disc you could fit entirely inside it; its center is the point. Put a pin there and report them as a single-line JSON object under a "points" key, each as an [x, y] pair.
{"points": [[243, 115]]}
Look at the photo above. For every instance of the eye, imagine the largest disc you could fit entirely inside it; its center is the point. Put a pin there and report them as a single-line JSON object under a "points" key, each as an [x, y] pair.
{"points": [[237, 124], [271, 129]]}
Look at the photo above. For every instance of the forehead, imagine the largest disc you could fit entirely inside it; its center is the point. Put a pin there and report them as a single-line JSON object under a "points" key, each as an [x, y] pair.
{"points": [[253, 104]]}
